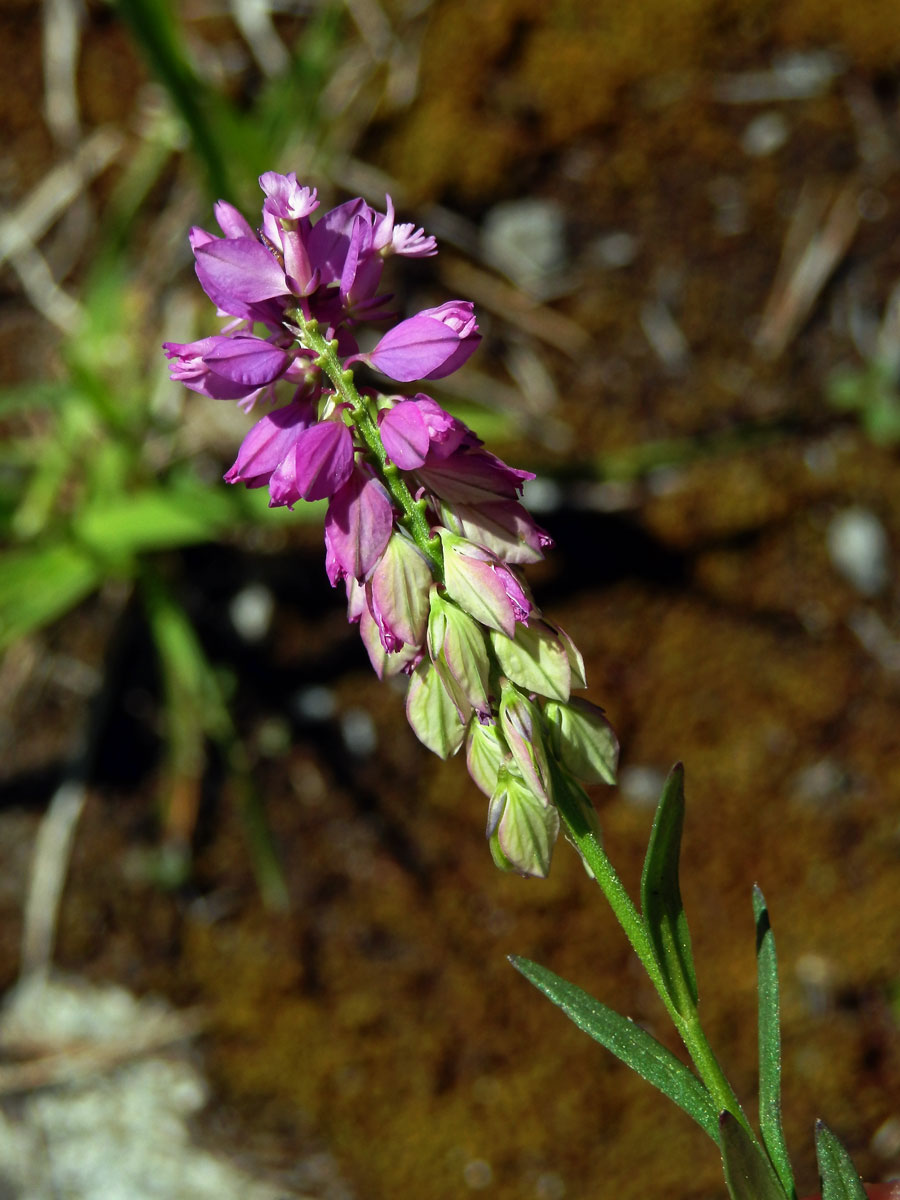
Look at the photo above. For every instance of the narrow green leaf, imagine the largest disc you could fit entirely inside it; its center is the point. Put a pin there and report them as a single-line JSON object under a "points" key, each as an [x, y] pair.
{"points": [[154, 519], [158, 36], [37, 585], [748, 1173], [836, 1170], [663, 910], [770, 1044], [628, 1042]]}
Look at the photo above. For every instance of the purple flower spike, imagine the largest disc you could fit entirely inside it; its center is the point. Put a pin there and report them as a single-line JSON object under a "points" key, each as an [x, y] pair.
{"points": [[357, 527], [269, 443], [430, 345], [320, 463]]}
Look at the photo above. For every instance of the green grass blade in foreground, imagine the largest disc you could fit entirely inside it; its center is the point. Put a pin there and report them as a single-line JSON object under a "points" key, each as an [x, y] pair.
{"points": [[748, 1173], [836, 1170], [663, 910], [628, 1042], [770, 1045]]}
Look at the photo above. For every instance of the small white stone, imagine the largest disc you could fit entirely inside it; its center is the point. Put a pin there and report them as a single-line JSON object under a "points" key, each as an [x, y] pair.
{"points": [[858, 547], [315, 703], [478, 1174], [358, 732], [251, 611], [765, 134], [641, 786], [525, 239]]}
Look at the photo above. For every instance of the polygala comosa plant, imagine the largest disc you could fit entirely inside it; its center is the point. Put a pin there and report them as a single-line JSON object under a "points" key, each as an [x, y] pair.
{"points": [[426, 531]]}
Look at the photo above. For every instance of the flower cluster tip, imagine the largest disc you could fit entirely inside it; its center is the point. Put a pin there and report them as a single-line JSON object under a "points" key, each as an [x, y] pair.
{"points": [[424, 527]]}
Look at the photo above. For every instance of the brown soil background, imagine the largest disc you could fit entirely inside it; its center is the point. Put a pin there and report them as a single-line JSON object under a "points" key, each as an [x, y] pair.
{"points": [[379, 1018]]}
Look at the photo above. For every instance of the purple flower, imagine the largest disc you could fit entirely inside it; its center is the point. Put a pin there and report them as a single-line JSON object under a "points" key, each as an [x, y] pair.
{"points": [[269, 443], [414, 428], [471, 476], [238, 274], [504, 527], [319, 463], [285, 198], [407, 239], [430, 345], [357, 527], [226, 368]]}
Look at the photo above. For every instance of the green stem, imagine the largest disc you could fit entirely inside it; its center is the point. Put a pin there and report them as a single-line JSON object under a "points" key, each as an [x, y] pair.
{"points": [[361, 415], [688, 1026]]}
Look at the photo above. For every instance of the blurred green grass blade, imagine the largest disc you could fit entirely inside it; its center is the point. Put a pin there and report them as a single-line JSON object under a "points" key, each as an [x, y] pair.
{"points": [[195, 710], [156, 31], [838, 1175], [289, 103], [628, 1042], [769, 1013], [748, 1173], [29, 397], [661, 903], [157, 518], [39, 584]]}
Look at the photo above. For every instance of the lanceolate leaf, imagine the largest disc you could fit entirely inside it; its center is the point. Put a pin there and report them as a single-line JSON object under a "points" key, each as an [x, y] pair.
{"points": [[661, 896], [628, 1042], [836, 1171], [748, 1172], [770, 1045]]}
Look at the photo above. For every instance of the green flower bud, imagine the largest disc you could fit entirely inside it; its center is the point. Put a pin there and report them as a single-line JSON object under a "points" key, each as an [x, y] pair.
{"points": [[576, 662], [522, 827], [458, 650], [482, 585], [486, 753], [522, 729], [536, 659], [583, 740], [434, 717]]}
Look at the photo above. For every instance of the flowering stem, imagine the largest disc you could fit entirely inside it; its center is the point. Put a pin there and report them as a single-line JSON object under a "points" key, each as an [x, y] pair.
{"points": [[687, 1024], [342, 379]]}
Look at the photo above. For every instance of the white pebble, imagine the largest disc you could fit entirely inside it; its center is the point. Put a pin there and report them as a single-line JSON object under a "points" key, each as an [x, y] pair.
{"points": [[858, 547]]}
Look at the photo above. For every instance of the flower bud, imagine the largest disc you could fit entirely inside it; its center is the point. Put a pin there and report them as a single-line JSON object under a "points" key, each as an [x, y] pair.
{"points": [[522, 827], [383, 664], [457, 648], [357, 527], [399, 593], [522, 729], [535, 659], [432, 714], [583, 740], [486, 753], [576, 662], [482, 585], [430, 345], [503, 527], [320, 463]]}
